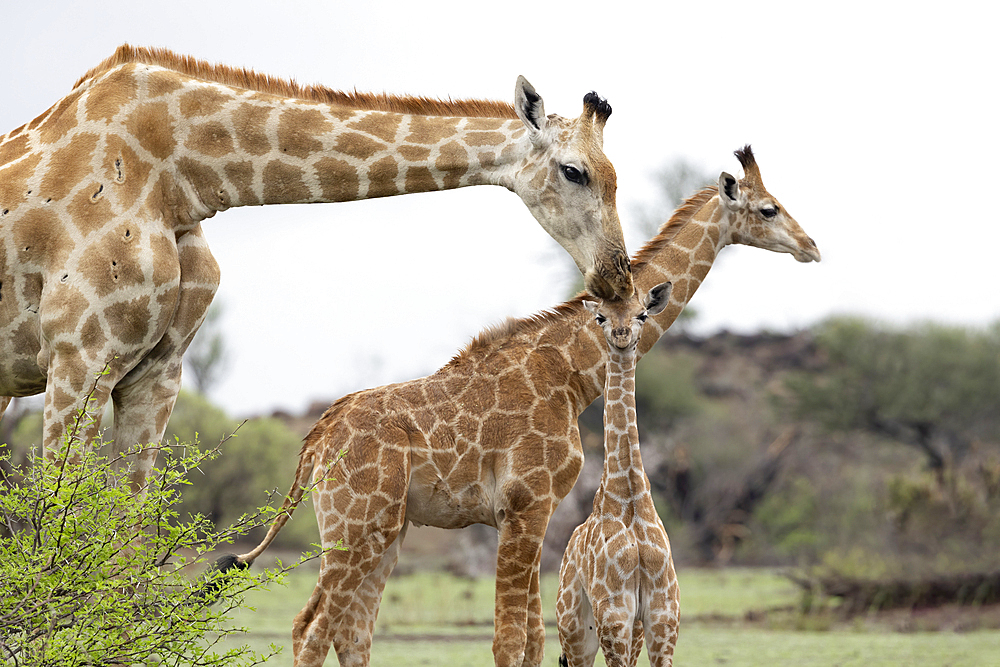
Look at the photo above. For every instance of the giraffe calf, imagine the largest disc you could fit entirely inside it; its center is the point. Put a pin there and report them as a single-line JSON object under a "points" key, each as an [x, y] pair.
{"points": [[617, 582]]}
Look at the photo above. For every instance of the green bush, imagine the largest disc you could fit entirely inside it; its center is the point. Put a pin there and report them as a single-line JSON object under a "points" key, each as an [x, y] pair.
{"points": [[91, 574]]}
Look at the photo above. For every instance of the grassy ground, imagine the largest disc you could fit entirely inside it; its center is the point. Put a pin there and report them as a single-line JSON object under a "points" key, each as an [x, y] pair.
{"points": [[735, 618]]}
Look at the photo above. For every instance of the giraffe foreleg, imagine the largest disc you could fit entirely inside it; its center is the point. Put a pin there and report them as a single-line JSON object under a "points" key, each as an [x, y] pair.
{"points": [[519, 549], [534, 649]]}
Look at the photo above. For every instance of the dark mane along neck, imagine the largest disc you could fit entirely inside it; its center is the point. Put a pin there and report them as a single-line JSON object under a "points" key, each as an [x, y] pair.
{"points": [[680, 217], [510, 328], [251, 80]]}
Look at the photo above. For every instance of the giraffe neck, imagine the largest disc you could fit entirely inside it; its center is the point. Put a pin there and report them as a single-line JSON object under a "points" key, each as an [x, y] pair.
{"points": [[685, 261], [203, 146], [623, 479], [683, 252]]}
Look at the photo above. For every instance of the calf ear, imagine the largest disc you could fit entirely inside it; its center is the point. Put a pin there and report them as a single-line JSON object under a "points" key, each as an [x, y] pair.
{"points": [[657, 298], [530, 109], [591, 306], [729, 192]]}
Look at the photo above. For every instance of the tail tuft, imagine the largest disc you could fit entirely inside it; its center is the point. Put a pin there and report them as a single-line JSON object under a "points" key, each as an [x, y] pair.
{"points": [[211, 579], [228, 562], [562, 661]]}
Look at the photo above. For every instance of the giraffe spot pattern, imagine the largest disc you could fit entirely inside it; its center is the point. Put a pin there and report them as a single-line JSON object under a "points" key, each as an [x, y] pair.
{"points": [[298, 130], [61, 119], [153, 128]]}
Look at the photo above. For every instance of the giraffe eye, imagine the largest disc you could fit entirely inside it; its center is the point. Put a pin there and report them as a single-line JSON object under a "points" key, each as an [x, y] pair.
{"points": [[573, 175], [769, 211], [600, 319], [642, 318]]}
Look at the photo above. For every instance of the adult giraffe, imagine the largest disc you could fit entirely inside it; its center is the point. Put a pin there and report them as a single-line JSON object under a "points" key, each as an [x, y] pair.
{"points": [[491, 437], [102, 259]]}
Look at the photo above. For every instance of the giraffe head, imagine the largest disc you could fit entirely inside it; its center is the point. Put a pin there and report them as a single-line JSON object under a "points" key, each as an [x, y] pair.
{"points": [[569, 185], [758, 219], [622, 319]]}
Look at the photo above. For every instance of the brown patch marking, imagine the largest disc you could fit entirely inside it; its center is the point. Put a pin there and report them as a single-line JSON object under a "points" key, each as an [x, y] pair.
{"points": [[338, 179], [129, 320], [414, 153], [119, 158], [111, 95], [485, 139], [203, 101], [431, 130], [357, 145], [160, 83], [68, 166], [61, 120], [298, 132], [383, 127], [153, 127], [420, 179], [283, 184], [240, 175], [12, 149], [210, 139], [382, 177], [250, 121]]}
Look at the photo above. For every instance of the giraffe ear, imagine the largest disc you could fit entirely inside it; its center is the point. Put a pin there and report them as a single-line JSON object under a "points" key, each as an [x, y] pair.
{"points": [[591, 306], [657, 298], [530, 109], [729, 192]]}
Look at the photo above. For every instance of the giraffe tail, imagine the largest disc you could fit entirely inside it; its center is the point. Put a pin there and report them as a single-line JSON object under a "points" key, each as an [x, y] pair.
{"points": [[562, 660], [242, 561]]}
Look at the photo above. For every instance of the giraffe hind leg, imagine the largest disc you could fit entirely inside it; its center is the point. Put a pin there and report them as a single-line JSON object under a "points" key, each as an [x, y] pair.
{"points": [[353, 640], [371, 468], [574, 616]]}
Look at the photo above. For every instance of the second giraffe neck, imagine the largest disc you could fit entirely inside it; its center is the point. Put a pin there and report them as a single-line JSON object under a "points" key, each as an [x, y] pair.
{"points": [[623, 478], [685, 261]]}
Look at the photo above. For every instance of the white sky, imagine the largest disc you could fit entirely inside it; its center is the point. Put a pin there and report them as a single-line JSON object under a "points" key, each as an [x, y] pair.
{"points": [[875, 124]]}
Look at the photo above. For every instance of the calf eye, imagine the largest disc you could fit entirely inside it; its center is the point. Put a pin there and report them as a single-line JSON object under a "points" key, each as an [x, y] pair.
{"points": [[600, 319]]}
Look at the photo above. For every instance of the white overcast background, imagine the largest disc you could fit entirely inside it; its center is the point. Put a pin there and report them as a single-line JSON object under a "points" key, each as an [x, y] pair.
{"points": [[875, 124]]}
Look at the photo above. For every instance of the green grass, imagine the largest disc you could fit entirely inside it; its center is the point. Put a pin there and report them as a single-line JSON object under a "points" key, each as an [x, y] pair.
{"points": [[437, 619]]}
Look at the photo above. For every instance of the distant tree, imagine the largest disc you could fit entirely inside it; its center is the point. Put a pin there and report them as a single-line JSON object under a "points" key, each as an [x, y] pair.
{"points": [[259, 459], [676, 181], [206, 357], [933, 387]]}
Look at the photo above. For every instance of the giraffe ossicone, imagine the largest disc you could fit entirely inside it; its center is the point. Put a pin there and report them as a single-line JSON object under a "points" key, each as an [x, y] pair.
{"points": [[103, 263], [617, 583], [490, 438]]}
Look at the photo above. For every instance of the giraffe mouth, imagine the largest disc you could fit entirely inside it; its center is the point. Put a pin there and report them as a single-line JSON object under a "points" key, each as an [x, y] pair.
{"points": [[808, 254], [610, 280]]}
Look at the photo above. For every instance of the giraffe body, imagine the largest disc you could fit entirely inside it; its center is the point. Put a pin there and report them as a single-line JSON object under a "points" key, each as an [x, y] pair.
{"points": [[617, 583], [491, 438], [103, 264]]}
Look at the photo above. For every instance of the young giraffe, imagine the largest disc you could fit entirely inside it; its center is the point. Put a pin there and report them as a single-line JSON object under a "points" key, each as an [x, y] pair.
{"points": [[617, 582], [491, 437], [102, 258]]}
